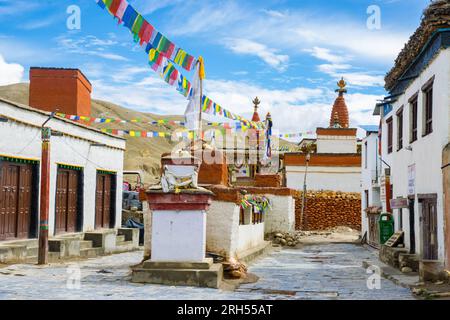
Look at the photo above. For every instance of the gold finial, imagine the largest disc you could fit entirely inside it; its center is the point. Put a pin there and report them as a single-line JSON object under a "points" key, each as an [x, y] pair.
{"points": [[256, 102], [342, 84]]}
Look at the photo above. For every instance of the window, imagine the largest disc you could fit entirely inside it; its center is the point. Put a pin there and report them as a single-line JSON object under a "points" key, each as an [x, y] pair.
{"points": [[366, 198], [365, 155], [400, 129], [413, 116], [389, 134], [428, 107]]}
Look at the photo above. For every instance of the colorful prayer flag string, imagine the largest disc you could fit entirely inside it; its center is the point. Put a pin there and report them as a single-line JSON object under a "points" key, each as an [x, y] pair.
{"points": [[163, 53], [225, 125], [144, 33]]}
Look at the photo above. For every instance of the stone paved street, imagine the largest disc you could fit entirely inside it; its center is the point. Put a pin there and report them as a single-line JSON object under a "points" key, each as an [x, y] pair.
{"points": [[330, 271]]}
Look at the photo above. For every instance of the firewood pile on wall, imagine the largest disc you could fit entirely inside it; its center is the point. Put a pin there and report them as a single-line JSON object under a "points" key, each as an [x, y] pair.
{"points": [[328, 209]]}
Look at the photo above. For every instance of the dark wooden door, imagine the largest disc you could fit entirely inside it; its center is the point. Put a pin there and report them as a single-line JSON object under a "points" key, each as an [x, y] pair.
{"points": [[66, 201], [374, 230], [429, 220], [15, 200], [103, 208], [24, 201]]}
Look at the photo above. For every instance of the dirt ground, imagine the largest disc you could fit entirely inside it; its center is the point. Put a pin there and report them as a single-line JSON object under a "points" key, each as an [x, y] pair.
{"points": [[334, 235]]}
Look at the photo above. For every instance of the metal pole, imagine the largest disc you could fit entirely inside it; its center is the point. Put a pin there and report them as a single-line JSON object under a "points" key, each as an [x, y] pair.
{"points": [[304, 190], [45, 197]]}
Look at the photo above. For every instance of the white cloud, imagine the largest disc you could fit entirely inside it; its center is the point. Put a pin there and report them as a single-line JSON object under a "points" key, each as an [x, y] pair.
{"points": [[8, 7], [89, 45], [337, 69], [327, 55], [274, 13], [10, 72], [297, 30], [205, 17], [147, 7], [268, 55]]}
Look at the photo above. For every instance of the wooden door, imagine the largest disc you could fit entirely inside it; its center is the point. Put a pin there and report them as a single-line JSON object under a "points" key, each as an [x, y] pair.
{"points": [[24, 201], [374, 230], [66, 201], [429, 223], [104, 198], [15, 200]]}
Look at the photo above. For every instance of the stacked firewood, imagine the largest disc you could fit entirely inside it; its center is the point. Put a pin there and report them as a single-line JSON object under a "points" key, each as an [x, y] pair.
{"points": [[328, 209]]}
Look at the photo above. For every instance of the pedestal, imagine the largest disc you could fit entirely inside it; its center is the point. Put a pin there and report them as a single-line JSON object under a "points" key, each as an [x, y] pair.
{"points": [[178, 242]]}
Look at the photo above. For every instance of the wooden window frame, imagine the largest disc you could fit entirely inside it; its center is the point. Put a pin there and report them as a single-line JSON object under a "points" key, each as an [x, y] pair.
{"points": [[366, 153], [427, 117], [400, 125], [390, 135], [413, 117]]}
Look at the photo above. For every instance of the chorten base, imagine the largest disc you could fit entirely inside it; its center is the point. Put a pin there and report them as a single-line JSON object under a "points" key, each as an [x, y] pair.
{"points": [[196, 274]]}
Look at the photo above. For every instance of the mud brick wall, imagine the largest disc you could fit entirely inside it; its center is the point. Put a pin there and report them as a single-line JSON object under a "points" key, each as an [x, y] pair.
{"points": [[328, 209], [268, 180]]}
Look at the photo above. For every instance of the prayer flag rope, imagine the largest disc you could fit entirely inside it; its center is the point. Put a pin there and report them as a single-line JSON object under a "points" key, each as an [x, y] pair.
{"points": [[225, 125]]}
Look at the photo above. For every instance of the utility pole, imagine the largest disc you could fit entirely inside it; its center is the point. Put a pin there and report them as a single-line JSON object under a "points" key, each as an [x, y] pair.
{"points": [[308, 158], [46, 133]]}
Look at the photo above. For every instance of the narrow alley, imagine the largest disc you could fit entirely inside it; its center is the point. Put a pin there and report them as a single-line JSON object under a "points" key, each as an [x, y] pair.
{"points": [[318, 272]]}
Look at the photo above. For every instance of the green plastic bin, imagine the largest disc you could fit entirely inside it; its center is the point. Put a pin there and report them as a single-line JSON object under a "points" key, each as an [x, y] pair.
{"points": [[387, 229]]}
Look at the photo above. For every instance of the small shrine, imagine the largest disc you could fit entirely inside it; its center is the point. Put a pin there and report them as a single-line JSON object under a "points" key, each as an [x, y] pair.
{"points": [[178, 237]]}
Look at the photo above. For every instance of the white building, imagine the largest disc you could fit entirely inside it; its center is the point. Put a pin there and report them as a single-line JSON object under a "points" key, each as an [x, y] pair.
{"points": [[370, 187], [85, 175], [415, 131]]}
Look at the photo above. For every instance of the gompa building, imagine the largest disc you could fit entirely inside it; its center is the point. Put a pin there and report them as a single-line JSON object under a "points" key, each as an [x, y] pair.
{"points": [[331, 161]]}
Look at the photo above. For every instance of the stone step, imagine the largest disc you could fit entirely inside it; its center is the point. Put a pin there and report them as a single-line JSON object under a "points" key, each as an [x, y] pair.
{"points": [[91, 252], [85, 244], [32, 251], [123, 246], [120, 238], [31, 260]]}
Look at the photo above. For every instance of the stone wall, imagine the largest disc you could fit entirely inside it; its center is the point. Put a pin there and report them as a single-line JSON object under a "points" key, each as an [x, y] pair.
{"points": [[328, 209]]}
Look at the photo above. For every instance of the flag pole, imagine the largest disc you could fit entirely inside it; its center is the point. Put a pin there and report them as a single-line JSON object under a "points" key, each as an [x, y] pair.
{"points": [[201, 76]]}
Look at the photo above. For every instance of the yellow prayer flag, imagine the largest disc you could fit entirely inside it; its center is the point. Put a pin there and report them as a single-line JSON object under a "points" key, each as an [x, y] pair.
{"points": [[201, 72]]}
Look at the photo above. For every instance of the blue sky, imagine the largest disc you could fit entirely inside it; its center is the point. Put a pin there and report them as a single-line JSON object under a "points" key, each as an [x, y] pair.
{"points": [[290, 53]]}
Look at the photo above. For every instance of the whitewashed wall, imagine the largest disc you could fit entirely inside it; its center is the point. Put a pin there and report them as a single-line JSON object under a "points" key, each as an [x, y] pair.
{"points": [[346, 179], [250, 236], [336, 144], [282, 216], [427, 151], [20, 140], [222, 228], [225, 236], [367, 175], [178, 236]]}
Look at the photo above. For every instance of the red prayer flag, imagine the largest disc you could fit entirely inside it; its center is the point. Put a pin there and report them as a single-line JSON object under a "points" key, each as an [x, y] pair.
{"points": [[114, 6]]}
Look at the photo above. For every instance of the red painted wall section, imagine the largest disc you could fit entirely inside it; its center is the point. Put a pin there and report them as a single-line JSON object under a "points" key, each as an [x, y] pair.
{"points": [[67, 90]]}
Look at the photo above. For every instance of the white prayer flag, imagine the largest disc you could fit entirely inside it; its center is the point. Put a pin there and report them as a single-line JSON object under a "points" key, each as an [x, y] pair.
{"points": [[193, 108]]}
